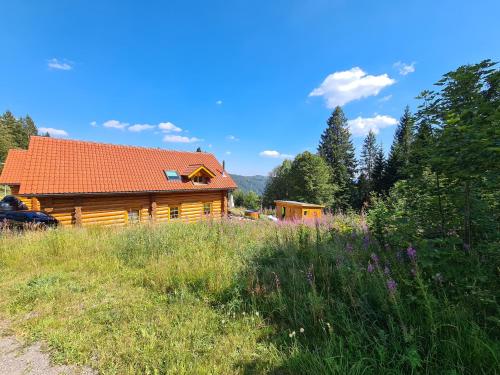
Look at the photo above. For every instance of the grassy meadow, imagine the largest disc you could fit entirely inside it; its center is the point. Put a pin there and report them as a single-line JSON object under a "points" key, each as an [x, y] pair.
{"points": [[251, 297]]}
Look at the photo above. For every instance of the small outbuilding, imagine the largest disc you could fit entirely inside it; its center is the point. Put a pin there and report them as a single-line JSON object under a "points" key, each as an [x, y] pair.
{"points": [[289, 210]]}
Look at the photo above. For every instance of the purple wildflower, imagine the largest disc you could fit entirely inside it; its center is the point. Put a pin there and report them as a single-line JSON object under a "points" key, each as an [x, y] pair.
{"points": [[366, 241], [370, 267], [374, 257], [391, 286], [412, 253], [387, 271], [399, 256]]}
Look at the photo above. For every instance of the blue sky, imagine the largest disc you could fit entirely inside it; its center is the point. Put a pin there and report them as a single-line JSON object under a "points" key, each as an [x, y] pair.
{"points": [[251, 81]]}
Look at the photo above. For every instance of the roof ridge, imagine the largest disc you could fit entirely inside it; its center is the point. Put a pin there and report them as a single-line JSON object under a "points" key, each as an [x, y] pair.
{"points": [[117, 145]]}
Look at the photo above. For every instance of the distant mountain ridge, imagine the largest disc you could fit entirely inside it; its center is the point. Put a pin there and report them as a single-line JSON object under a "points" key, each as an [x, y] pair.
{"points": [[250, 183]]}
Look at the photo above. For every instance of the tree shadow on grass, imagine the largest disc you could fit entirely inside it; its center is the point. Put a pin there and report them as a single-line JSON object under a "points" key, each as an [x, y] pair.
{"points": [[299, 283], [328, 313]]}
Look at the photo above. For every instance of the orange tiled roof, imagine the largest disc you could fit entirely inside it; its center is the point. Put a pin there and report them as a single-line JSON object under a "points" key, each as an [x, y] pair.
{"points": [[57, 166], [14, 163]]}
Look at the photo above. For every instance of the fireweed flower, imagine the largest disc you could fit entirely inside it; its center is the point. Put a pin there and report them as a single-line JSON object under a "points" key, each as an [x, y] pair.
{"points": [[374, 257], [366, 241], [391, 286], [387, 271], [370, 267], [412, 253]]}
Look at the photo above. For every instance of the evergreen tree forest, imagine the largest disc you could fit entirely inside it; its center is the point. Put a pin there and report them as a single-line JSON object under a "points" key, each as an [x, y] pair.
{"points": [[15, 133], [441, 174]]}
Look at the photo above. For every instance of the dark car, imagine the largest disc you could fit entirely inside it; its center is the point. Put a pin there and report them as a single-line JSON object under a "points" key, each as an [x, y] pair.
{"points": [[15, 214], [27, 219], [12, 203]]}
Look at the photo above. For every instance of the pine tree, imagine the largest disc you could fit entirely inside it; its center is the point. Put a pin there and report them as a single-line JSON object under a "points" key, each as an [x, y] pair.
{"points": [[29, 129], [378, 173], [399, 156], [14, 128], [6, 142], [337, 150], [368, 156], [364, 185]]}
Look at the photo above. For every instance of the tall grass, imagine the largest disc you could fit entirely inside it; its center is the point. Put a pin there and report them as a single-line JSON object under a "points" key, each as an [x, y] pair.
{"points": [[246, 297]]}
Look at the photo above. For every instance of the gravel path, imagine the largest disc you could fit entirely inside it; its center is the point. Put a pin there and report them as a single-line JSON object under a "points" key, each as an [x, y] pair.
{"points": [[17, 359]]}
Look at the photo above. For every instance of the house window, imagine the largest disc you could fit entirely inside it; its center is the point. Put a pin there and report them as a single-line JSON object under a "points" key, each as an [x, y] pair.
{"points": [[172, 175], [305, 213], [200, 180], [207, 208], [174, 212], [133, 216]]}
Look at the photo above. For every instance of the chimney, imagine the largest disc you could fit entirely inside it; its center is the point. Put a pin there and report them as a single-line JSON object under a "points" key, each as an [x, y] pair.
{"points": [[223, 168]]}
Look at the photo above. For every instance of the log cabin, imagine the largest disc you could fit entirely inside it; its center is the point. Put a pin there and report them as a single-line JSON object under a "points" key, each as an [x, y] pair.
{"points": [[87, 183], [292, 210]]}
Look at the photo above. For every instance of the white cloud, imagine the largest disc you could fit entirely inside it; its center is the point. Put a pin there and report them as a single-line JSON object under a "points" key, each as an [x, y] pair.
{"points": [[340, 88], [209, 145], [115, 124], [59, 65], [54, 132], [93, 124], [385, 98], [180, 139], [136, 128], [228, 152], [403, 68], [275, 154], [168, 127], [232, 138], [362, 125], [218, 102]]}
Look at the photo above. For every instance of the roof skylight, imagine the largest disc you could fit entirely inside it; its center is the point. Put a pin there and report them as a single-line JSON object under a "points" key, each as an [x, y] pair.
{"points": [[172, 175]]}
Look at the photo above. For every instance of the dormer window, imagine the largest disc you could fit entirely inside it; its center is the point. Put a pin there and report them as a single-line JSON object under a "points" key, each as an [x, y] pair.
{"points": [[201, 179], [198, 174], [172, 176]]}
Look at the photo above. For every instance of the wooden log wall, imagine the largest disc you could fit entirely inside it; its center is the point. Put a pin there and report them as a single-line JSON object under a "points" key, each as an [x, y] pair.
{"points": [[118, 210]]}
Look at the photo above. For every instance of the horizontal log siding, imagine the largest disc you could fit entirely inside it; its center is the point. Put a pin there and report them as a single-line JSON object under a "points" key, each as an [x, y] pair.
{"points": [[113, 210], [190, 205], [62, 209]]}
